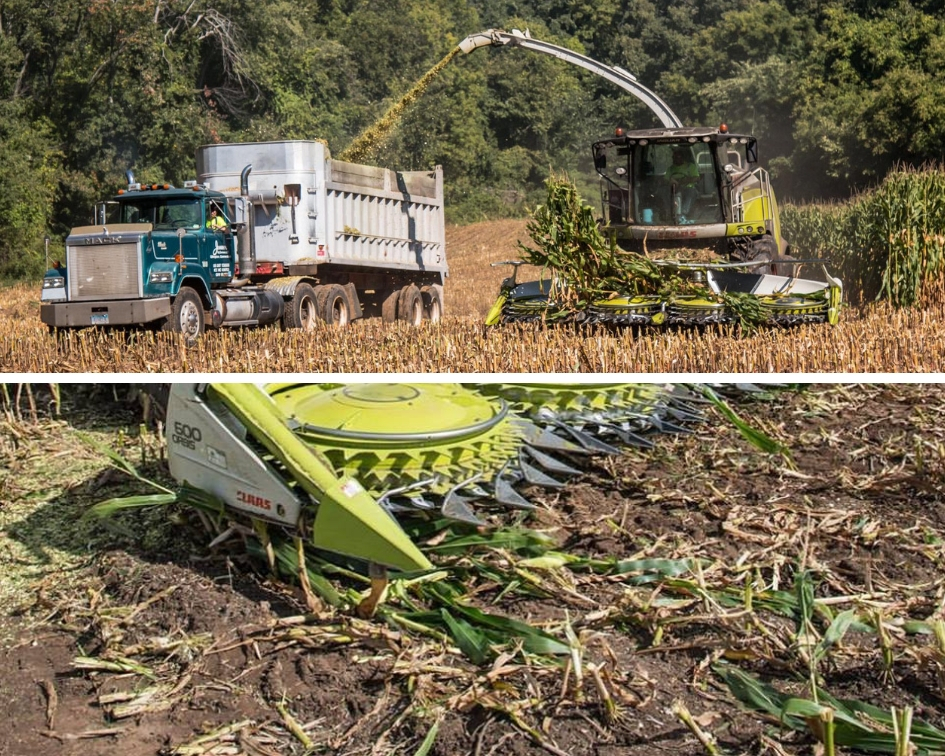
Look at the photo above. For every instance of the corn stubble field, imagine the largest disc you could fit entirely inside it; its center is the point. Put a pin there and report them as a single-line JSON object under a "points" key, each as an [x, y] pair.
{"points": [[882, 243], [765, 604]]}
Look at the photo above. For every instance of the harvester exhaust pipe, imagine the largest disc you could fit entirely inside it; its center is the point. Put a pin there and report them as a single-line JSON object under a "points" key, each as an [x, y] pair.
{"points": [[245, 236], [129, 174]]}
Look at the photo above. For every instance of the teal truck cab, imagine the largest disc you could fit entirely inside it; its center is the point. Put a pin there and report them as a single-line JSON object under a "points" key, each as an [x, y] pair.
{"points": [[301, 239], [156, 258]]}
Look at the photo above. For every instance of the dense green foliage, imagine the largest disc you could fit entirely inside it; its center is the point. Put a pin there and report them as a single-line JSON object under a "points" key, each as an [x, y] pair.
{"points": [[837, 91], [887, 243]]}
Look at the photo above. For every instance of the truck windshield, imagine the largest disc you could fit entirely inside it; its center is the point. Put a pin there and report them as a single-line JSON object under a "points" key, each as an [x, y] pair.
{"points": [[163, 214]]}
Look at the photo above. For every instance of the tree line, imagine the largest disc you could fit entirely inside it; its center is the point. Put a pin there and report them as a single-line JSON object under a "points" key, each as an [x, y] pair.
{"points": [[838, 92]]}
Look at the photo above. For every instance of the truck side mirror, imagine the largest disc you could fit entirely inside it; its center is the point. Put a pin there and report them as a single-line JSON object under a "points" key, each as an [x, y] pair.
{"points": [[239, 214]]}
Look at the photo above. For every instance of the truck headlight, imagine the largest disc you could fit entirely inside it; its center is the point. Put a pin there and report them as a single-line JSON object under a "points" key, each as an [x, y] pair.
{"points": [[160, 276], [54, 282]]}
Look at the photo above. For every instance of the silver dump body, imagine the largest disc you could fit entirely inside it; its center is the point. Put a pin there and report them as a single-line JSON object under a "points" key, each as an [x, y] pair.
{"points": [[312, 209]]}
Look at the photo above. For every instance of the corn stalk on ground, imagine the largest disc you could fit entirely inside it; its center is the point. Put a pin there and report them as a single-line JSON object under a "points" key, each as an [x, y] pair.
{"points": [[873, 338], [678, 579]]}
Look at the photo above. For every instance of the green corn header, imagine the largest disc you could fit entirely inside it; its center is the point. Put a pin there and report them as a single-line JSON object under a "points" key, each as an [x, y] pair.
{"points": [[343, 464]]}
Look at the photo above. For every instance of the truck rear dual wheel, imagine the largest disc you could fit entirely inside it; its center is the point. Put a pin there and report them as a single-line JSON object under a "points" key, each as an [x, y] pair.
{"points": [[432, 304], [302, 309], [328, 303], [187, 315], [334, 306], [410, 305]]}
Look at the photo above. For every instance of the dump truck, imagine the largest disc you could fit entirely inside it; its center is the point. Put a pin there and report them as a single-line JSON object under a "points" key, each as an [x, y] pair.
{"points": [[267, 232]]}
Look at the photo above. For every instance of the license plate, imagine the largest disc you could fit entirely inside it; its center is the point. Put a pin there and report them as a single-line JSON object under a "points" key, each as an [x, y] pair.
{"points": [[99, 318]]}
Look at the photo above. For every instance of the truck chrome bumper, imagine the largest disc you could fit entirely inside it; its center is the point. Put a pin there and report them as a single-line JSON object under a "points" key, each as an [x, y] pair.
{"points": [[107, 312]]}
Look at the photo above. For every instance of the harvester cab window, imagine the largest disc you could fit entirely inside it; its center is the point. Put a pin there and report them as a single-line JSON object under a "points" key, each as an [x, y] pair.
{"points": [[675, 184]]}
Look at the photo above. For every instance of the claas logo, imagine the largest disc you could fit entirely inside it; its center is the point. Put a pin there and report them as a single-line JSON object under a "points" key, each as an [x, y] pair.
{"points": [[253, 500]]}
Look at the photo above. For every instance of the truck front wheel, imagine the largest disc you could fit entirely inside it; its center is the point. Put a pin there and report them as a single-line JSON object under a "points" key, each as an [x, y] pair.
{"points": [[302, 309], [187, 316]]}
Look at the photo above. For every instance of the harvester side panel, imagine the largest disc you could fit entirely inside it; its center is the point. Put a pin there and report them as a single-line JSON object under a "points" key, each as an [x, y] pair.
{"points": [[206, 452]]}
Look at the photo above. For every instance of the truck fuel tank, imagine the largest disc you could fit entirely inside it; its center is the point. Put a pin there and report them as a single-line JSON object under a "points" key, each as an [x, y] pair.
{"points": [[249, 306]]}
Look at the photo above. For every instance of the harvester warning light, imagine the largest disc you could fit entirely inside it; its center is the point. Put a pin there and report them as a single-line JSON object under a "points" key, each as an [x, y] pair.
{"points": [[723, 128], [352, 488], [618, 131]]}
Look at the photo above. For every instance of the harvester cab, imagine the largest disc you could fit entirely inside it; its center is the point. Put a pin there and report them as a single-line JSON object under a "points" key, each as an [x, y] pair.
{"points": [[689, 187]]}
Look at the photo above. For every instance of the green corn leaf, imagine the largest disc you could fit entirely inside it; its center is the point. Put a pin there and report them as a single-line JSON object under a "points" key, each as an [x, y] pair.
{"points": [[553, 560], [471, 642], [751, 691], [119, 461], [428, 741], [512, 539], [111, 507], [652, 569], [835, 632], [852, 719], [804, 589], [755, 437], [802, 707], [288, 561], [917, 627], [533, 640]]}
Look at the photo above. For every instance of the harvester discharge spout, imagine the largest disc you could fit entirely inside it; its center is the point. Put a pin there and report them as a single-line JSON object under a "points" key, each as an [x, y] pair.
{"points": [[613, 74]]}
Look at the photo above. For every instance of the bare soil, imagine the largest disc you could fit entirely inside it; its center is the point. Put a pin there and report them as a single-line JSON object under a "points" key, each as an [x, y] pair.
{"points": [[860, 506]]}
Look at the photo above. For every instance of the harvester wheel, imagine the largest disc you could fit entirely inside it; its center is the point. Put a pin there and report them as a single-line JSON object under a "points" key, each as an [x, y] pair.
{"points": [[764, 248], [432, 304], [410, 305], [302, 309], [187, 316], [333, 305]]}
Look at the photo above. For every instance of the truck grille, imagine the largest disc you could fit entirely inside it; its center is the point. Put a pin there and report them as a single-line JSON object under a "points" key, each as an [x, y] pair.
{"points": [[106, 271]]}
